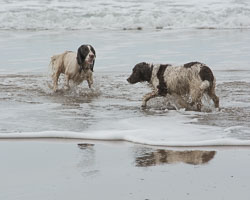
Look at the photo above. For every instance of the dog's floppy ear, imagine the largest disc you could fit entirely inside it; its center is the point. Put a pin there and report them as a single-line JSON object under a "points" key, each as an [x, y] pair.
{"points": [[92, 66], [93, 50], [80, 56]]}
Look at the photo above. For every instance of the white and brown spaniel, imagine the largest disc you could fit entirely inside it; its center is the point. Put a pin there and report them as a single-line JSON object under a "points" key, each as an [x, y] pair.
{"points": [[192, 79], [75, 66]]}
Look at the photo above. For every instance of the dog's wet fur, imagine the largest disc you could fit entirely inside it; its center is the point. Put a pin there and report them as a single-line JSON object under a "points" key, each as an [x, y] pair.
{"points": [[75, 66], [193, 79]]}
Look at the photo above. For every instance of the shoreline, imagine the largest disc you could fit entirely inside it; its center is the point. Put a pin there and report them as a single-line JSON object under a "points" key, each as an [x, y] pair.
{"points": [[115, 142], [83, 140]]}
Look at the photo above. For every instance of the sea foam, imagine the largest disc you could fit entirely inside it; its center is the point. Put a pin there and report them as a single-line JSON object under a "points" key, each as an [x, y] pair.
{"points": [[150, 131], [95, 14]]}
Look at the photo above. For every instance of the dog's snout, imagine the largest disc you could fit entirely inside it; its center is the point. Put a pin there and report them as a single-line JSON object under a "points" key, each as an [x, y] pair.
{"points": [[128, 79], [92, 56]]}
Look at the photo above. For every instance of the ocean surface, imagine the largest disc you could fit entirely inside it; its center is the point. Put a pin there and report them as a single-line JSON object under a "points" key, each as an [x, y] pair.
{"points": [[123, 14], [124, 33]]}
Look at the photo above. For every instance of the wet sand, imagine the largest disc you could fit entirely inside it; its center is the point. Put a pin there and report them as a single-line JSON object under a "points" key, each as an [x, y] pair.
{"points": [[63, 169]]}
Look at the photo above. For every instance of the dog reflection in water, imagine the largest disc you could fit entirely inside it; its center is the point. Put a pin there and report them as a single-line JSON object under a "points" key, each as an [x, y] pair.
{"points": [[160, 156]]}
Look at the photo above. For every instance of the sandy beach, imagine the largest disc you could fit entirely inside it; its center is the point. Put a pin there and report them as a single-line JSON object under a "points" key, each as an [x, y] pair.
{"points": [[61, 169]]}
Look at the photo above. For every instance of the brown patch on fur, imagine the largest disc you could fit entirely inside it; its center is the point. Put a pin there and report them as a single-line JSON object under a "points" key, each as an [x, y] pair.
{"points": [[188, 65], [162, 87], [141, 72], [207, 74], [147, 72]]}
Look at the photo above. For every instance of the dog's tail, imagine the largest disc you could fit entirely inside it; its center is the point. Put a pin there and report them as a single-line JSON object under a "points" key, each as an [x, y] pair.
{"points": [[204, 85], [55, 66], [56, 61]]}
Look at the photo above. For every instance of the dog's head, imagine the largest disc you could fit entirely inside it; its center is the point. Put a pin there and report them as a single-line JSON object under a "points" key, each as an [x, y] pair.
{"points": [[86, 55], [141, 72]]}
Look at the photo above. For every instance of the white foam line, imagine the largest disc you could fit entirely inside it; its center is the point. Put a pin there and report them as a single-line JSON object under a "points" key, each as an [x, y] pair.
{"points": [[125, 135], [59, 134], [205, 143]]}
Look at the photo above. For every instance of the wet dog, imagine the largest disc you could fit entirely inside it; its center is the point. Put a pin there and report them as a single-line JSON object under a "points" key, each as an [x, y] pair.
{"points": [[75, 66], [193, 79]]}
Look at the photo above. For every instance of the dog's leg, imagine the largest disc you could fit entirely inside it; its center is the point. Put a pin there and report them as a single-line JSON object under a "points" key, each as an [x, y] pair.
{"points": [[66, 86], [199, 104], [55, 79], [213, 96], [90, 80], [180, 100], [149, 96], [196, 95]]}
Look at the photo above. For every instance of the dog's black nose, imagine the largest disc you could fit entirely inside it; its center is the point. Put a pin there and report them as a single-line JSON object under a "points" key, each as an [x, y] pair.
{"points": [[128, 79], [92, 56]]}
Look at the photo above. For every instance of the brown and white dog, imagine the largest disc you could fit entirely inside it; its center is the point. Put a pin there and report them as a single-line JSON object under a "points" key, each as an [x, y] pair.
{"points": [[75, 66], [192, 79]]}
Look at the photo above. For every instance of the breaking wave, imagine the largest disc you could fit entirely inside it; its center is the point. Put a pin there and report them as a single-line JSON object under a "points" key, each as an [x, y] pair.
{"points": [[123, 14], [174, 133]]}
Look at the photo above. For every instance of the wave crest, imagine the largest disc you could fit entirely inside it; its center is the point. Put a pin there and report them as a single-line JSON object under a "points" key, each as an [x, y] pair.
{"points": [[79, 15]]}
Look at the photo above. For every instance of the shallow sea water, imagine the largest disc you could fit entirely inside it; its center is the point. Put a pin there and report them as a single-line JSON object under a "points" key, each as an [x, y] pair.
{"points": [[111, 111]]}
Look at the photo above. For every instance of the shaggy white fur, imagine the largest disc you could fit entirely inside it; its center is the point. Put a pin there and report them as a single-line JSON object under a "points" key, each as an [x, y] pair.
{"points": [[67, 64]]}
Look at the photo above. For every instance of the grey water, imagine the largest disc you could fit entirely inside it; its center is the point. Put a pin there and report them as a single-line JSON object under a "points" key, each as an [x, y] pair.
{"points": [[27, 104]]}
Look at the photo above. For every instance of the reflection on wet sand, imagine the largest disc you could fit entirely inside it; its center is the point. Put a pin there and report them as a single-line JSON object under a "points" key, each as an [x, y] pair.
{"points": [[161, 156], [145, 156], [87, 160], [85, 145]]}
